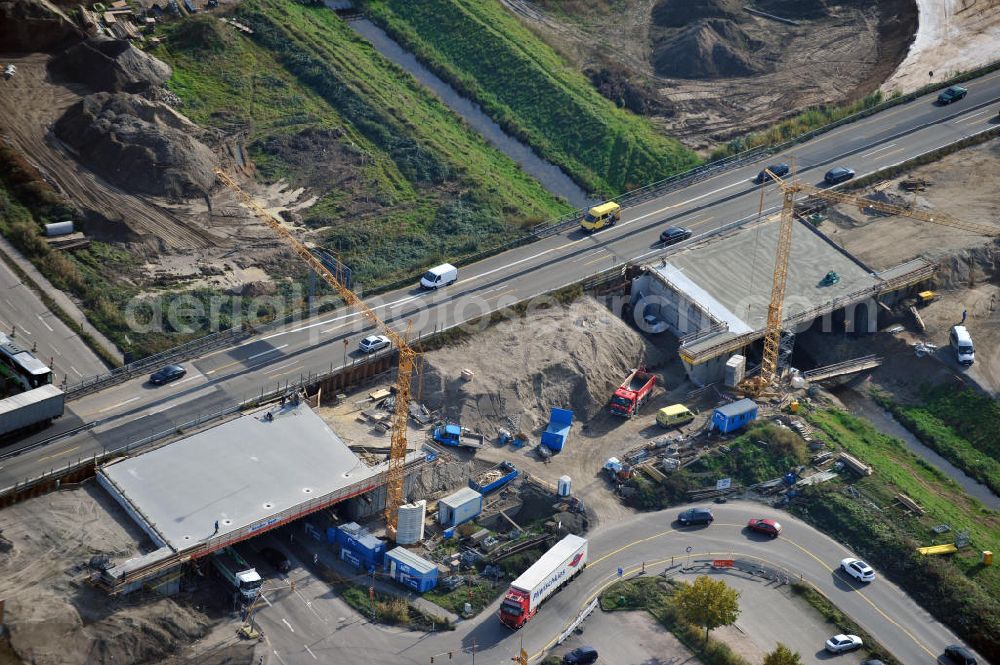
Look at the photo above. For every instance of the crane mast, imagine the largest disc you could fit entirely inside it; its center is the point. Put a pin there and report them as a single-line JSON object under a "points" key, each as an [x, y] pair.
{"points": [[397, 450]]}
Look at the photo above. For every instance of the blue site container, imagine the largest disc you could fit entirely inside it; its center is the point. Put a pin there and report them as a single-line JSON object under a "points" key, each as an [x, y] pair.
{"points": [[365, 548], [411, 570], [340, 534], [731, 417], [554, 436]]}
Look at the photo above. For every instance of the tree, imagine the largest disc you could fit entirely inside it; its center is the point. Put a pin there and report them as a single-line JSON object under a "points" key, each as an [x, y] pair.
{"points": [[782, 655], [708, 603]]}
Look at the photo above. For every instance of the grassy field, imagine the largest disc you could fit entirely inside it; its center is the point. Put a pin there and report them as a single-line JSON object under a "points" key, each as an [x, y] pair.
{"points": [[401, 180], [957, 589], [479, 595], [485, 52], [963, 426]]}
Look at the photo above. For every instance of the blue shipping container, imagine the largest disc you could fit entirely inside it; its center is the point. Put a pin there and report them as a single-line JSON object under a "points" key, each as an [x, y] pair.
{"points": [[731, 417], [411, 570], [340, 534], [554, 436]]}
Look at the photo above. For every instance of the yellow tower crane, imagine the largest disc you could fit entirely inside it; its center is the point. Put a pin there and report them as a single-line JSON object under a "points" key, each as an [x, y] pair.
{"points": [[397, 450], [790, 188]]}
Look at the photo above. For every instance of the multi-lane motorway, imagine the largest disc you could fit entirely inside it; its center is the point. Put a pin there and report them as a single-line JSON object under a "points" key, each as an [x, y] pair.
{"points": [[133, 410], [305, 627]]}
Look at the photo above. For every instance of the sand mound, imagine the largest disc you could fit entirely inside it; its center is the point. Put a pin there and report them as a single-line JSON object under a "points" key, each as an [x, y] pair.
{"points": [[680, 13], [712, 48], [34, 25], [571, 358], [140, 145], [110, 65]]}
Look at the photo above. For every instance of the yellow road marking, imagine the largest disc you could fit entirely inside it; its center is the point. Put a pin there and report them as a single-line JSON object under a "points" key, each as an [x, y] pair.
{"points": [[67, 451]]}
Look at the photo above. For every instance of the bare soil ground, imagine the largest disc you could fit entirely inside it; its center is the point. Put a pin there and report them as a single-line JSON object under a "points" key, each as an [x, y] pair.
{"points": [[710, 70], [953, 36], [53, 613]]}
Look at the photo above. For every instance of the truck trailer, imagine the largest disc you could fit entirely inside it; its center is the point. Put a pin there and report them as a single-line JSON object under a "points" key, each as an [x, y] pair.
{"points": [[30, 410], [551, 572], [238, 573], [632, 393]]}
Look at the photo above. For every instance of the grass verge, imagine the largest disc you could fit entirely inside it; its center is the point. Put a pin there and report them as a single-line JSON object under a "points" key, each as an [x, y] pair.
{"points": [[484, 52], [479, 595], [391, 610]]}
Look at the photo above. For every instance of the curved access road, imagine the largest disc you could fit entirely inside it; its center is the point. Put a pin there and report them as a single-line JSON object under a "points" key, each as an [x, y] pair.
{"points": [[881, 608]]}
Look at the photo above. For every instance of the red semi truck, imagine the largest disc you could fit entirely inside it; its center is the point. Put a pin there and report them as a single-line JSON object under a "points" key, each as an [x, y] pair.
{"points": [[546, 576], [632, 393]]}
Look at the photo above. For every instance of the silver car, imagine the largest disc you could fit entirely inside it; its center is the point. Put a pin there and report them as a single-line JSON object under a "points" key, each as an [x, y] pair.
{"points": [[374, 343]]}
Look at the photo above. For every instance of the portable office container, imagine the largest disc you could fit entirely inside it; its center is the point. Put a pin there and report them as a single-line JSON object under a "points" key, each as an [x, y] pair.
{"points": [[460, 507], [731, 417], [411, 570]]}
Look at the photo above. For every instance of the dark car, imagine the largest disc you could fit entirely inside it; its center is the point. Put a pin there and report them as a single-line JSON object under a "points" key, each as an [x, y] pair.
{"points": [[581, 656], [837, 175], [674, 234], [167, 374], [779, 170], [276, 559], [696, 516], [765, 526], [958, 655], [952, 94], [873, 661]]}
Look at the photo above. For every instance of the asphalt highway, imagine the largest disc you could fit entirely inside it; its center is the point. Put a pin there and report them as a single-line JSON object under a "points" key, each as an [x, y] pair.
{"points": [[134, 410], [306, 627]]}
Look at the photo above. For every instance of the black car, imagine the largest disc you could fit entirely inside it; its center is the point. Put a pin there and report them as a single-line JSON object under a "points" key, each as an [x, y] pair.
{"points": [[581, 656], [276, 559], [696, 516], [958, 655], [952, 94], [167, 374], [674, 234], [838, 175], [779, 170]]}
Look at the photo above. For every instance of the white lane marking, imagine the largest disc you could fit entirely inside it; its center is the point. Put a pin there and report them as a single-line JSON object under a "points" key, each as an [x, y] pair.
{"points": [[115, 406], [306, 646], [876, 150], [285, 621], [974, 115], [280, 659], [264, 353], [289, 364], [81, 375], [266, 600], [39, 317]]}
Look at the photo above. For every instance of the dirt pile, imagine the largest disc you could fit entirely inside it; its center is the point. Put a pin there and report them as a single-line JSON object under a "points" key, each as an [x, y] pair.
{"points": [[713, 48], [54, 615], [683, 13], [34, 25], [140, 145], [110, 65], [570, 358]]}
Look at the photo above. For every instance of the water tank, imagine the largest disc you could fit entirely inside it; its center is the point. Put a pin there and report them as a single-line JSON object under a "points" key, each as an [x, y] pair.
{"points": [[58, 228], [410, 524], [564, 486]]}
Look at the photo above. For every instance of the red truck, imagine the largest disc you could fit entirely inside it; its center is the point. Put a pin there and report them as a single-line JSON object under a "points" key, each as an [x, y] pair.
{"points": [[632, 393]]}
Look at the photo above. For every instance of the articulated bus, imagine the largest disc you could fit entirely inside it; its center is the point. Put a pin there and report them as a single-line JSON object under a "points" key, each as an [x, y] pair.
{"points": [[20, 368]]}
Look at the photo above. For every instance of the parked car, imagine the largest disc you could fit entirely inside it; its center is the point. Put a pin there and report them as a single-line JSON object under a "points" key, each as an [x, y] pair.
{"points": [[952, 94], [276, 559], [374, 343], [857, 569], [779, 170], [842, 643], [581, 656], [838, 175], [958, 655], [765, 526], [674, 234], [167, 374], [873, 661], [696, 516]]}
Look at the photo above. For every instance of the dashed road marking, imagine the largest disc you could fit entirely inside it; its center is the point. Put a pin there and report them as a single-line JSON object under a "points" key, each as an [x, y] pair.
{"points": [[285, 621]]}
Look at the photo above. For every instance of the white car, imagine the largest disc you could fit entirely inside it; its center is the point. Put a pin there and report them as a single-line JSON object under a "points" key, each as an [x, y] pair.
{"points": [[857, 569], [842, 643], [374, 343]]}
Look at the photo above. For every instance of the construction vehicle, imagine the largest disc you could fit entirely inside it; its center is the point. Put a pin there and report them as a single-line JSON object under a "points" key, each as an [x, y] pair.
{"points": [[790, 189], [563, 562], [240, 575], [632, 393], [407, 356], [457, 436]]}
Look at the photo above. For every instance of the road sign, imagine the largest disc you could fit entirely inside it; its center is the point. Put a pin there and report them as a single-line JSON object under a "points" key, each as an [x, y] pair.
{"points": [[723, 484], [722, 563]]}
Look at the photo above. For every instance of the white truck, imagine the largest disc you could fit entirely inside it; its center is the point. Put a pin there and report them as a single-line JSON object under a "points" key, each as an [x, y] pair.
{"points": [[240, 575], [555, 568], [31, 410]]}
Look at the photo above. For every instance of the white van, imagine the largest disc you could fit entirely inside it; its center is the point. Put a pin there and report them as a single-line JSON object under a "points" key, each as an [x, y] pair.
{"points": [[439, 276], [961, 341]]}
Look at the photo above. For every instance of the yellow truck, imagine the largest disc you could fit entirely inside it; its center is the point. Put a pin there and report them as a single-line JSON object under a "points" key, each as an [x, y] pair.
{"points": [[673, 415], [601, 216]]}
